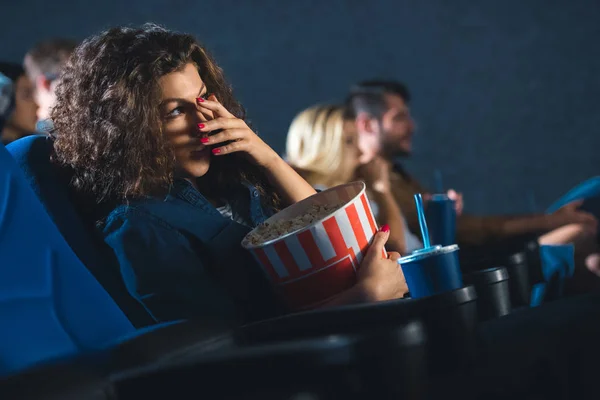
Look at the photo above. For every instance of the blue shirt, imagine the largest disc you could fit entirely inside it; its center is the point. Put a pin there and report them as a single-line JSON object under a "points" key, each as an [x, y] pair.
{"points": [[182, 259]]}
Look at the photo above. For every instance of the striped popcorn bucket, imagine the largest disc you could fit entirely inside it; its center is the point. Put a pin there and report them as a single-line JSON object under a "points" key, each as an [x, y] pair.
{"points": [[316, 262]]}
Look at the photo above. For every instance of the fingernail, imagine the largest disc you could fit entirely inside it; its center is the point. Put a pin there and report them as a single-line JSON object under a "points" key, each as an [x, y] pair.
{"points": [[201, 126], [216, 151], [199, 99], [205, 140], [385, 228]]}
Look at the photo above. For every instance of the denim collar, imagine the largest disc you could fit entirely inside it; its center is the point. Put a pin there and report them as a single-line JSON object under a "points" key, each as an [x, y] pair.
{"points": [[247, 203], [185, 191]]}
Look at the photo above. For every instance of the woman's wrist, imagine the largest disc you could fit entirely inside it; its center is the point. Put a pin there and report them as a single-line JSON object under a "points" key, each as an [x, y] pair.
{"points": [[271, 160], [368, 291], [357, 294], [291, 187]]}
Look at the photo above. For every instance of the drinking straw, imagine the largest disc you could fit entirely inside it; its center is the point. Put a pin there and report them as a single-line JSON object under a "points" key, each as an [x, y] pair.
{"points": [[422, 222]]}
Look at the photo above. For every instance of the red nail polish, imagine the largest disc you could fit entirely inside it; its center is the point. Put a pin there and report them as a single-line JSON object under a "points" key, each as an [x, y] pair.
{"points": [[201, 126], [204, 140], [199, 99], [216, 151], [385, 228]]}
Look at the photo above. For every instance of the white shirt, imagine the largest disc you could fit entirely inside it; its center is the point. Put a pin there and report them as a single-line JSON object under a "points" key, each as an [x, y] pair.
{"points": [[227, 212]]}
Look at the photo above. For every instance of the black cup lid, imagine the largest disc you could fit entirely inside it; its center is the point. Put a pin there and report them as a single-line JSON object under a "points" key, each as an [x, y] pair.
{"points": [[487, 276], [444, 300]]}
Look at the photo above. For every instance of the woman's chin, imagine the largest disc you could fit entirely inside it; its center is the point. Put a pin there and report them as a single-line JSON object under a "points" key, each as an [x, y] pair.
{"points": [[199, 163], [199, 170]]}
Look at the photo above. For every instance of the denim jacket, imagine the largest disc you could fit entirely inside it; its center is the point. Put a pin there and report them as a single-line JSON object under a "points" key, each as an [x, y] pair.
{"points": [[182, 259]]}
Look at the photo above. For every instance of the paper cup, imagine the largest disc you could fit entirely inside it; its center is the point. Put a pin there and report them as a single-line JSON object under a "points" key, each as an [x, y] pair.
{"points": [[316, 262]]}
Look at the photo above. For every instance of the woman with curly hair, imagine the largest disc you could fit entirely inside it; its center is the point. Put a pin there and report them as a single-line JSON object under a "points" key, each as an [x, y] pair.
{"points": [[147, 121]]}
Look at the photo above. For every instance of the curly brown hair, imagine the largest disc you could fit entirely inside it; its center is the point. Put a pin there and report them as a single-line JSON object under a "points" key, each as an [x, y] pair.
{"points": [[107, 119]]}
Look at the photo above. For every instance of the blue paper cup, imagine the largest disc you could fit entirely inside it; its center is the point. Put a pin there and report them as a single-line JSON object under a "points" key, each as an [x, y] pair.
{"points": [[441, 220], [432, 271]]}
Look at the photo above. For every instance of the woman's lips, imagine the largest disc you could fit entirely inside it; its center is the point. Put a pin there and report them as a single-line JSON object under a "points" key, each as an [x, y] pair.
{"points": [[199, 151]]}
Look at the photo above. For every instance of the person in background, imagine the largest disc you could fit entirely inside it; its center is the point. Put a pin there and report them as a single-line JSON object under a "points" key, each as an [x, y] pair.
{"points": [[21, 121], [380, 110], [44, 63], [322, 146], [7, 99], [147, 122], [382, 117]]}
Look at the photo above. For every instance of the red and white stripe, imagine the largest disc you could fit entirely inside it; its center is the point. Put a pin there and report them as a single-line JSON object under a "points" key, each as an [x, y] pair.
{"points": [[324, 258]]}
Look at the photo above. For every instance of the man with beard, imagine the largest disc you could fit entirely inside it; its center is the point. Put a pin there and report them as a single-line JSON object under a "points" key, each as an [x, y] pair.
{"points": [[382, 116]]}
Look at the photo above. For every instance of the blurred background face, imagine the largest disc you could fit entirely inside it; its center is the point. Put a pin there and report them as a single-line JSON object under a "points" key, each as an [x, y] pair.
{"points": [[397, 128], [351, 153], [43, 64], [181, 116], [370, 139], [24, 116], [45, 96]]}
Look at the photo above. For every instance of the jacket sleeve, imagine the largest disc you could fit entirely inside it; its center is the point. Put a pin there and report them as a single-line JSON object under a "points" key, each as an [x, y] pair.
{"points": [[163, 270]]}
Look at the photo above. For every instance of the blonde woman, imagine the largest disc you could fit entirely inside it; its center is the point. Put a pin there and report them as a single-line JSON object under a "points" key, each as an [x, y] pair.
{"points": [[323, 147]]}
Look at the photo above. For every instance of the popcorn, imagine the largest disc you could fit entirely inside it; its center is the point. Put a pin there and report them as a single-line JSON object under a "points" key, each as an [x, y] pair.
{"points": [[312, 250], [272, 230]]}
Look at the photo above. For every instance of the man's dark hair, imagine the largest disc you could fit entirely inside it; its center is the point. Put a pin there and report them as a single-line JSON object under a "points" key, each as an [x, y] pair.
{"points": [[369, 97], [47, 58]]}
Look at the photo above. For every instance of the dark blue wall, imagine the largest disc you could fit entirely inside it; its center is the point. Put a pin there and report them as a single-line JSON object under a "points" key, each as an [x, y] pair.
{"points": [[506, 93]]}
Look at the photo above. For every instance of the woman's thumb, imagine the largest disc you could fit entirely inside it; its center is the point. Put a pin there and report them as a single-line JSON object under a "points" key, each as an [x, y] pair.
{"points": [[378, 243]]}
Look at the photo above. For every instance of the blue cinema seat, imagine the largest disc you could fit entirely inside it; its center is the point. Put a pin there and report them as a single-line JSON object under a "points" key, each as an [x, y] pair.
{"points": [[51, 306], [75, 218]]}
